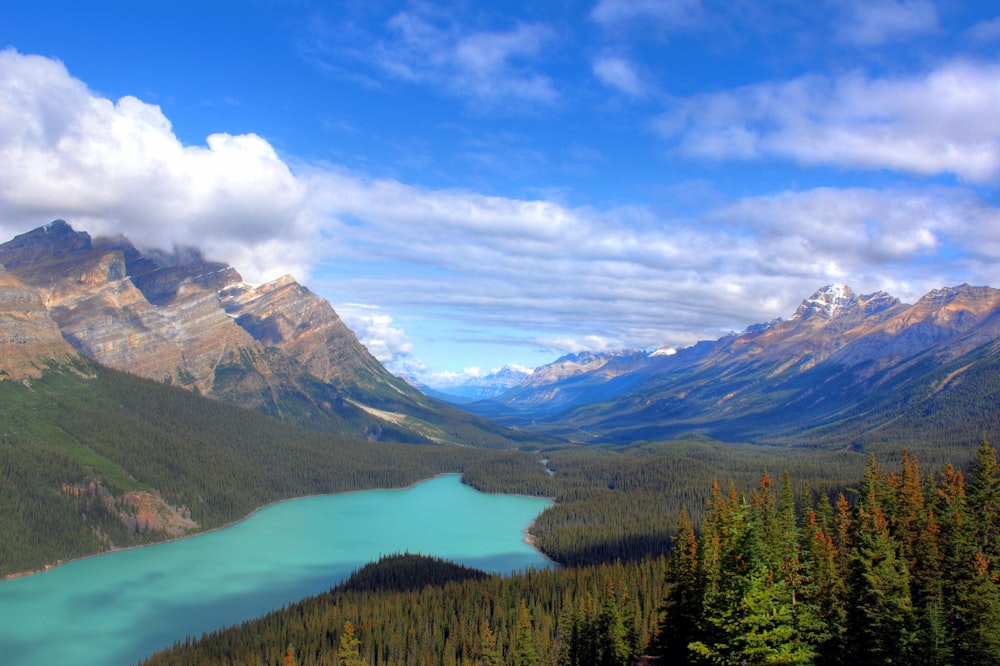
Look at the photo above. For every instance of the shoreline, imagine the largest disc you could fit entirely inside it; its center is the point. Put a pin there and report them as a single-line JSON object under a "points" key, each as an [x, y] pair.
{"points": [[527, 537]]}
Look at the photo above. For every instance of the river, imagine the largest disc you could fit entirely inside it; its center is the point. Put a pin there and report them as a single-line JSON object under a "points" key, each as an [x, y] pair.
{"points": [[119, 607]]}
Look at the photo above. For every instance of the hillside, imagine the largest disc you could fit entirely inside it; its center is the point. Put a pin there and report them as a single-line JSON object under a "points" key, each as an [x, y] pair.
{"points": [[181, 319], [843, 371], [93, 459]]}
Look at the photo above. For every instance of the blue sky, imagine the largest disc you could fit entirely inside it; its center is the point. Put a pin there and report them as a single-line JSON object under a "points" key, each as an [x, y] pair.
{"points": [[472, 184]]}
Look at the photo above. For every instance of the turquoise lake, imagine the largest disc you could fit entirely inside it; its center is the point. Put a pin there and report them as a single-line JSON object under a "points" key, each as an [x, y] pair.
{"points": [[120, 607]]}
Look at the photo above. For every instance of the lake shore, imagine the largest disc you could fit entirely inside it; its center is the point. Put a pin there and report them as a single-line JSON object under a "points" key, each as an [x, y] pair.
{"points": [[528, 537]]}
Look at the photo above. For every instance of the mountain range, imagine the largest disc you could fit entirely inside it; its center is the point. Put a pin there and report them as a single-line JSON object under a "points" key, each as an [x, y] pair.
{"points": [[181, 319], [843, 370]]}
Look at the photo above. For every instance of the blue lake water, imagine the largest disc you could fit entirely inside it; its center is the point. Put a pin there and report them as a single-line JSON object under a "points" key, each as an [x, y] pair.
{"points": [[120, 607]]}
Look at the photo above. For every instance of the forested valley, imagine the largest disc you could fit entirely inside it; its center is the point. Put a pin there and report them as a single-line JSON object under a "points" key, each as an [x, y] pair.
{"points": [[899, 568], [684, 549]]}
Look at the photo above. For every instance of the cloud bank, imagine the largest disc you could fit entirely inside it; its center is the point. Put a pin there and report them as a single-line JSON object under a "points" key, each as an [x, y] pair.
{"points": [[942, 121], [567, 277]]}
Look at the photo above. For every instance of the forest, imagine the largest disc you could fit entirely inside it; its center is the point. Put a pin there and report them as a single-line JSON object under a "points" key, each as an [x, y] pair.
{"points": [[899, 568]]}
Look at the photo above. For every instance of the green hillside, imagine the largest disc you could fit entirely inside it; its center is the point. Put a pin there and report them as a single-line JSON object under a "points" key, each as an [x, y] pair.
{"points": [[87, 454]]}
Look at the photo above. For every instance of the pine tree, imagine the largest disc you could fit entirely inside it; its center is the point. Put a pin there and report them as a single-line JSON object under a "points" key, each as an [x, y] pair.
{"points": [[749, 614], [978, 641], [612, 634], [524, 653], [880, 613], [289, 659], [828, 590], [914, 527], [349, 650], [489, 651], [984, 501], [682, 603]]}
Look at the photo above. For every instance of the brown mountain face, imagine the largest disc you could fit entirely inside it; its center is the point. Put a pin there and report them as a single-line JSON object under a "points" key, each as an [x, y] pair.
{"points": [[29, 339], [179, 318], [861, 362]]}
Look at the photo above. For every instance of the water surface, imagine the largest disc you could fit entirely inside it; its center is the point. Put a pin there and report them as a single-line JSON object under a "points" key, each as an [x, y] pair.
{"points": [[122, 606]]}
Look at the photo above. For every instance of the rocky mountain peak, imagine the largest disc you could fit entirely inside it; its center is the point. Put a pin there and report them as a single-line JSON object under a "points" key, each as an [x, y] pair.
{"points": [[828, 303], [838, 300]]}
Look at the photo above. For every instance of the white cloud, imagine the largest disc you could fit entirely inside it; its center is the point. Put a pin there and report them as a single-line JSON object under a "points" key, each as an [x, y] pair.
{"points": [[110, 166], [944, 121], [566, 278], [877, 22], [619, 73], [667, 13], [375, 329], [986, 31], [429, 47]]}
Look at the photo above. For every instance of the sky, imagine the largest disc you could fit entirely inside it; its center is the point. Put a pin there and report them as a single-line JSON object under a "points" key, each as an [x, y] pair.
{"points": [[473, 184]]}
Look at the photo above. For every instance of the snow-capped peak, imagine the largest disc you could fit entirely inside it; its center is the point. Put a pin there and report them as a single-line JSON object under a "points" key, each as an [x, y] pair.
{"points": [[828, 302]]}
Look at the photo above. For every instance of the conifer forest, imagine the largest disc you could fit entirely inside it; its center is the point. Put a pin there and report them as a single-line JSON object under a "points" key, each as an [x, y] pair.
{"points": [[897, 568]]}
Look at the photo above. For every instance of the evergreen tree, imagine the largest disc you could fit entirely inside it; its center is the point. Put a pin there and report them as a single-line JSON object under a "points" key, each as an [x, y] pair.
{"points": [[880, 613], [749, 612], [984, 501], [524, 653], [914, 527], [828, 590], [349, 650], [612, 634], [682, 603], [978, 641], [489, 651]]}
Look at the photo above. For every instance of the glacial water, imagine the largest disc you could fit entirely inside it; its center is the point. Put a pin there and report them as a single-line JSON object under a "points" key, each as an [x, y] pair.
{"points": [[120, 607]]}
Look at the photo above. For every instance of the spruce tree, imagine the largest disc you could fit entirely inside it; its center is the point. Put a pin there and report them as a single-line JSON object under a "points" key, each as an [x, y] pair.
{"points": [[682, 603], [489, 651], [524, 653], [349, 650], [881, 620], [984, 501], [749, 613]]}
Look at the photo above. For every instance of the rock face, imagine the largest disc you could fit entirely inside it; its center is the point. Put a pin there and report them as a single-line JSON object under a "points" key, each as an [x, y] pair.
{"points": [[29, 339], [840, 357], [179, 318]]}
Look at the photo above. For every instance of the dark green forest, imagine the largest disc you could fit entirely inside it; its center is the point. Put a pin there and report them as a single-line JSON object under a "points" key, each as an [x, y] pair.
{"points": [[900, 568], [75, 441]]}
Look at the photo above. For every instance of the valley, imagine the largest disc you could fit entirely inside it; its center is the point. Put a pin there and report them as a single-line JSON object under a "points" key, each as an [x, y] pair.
{"points": [[146, 396]]}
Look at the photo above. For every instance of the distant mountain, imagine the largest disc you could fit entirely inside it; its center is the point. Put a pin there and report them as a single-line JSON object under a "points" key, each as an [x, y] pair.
{"points": [[183, 320], [470, 389], [843, 370]]}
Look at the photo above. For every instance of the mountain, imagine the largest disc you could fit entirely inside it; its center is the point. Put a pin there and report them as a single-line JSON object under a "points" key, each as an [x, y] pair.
{"points": [[469, 389], [179, 318], [843, 370], [93, 459]]}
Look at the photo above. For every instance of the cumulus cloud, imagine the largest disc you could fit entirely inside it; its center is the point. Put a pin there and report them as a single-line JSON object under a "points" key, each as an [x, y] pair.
{"points": [[941, 122], [111, 166], [876, 22], [619, 73], [431, 47], [375, 330], [666, 13], [565, 278]]}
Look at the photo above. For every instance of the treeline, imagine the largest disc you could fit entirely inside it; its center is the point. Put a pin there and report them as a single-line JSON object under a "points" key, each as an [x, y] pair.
{"points": [[623, 503], [76, 439], [905, 571], [532, 618]]}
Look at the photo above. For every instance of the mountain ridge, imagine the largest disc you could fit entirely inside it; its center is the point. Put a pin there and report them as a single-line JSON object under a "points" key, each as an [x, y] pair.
{"points": [[179, 318], [838, 372]]}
